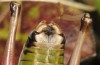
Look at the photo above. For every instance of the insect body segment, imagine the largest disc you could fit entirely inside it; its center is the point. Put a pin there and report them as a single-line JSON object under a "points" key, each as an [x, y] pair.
{"points": [[44, 46]]}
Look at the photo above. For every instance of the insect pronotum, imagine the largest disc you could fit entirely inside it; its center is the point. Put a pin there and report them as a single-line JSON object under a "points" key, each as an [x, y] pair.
{"points": [[45, 45]]}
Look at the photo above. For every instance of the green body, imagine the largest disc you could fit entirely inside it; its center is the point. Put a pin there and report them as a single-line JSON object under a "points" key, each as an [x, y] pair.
{"points": [[41, 55]]}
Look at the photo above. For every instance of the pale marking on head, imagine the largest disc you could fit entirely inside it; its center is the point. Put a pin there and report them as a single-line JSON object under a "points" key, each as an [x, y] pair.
{"points": [[43, 38], [51, 40]]}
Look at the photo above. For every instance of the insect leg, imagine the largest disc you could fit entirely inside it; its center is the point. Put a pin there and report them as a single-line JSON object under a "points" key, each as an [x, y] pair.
{"points": [[85, 22], [8, 57]]}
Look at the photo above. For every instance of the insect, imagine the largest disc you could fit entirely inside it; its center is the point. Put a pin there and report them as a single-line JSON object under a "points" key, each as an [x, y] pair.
{"points": [[45, 45]]}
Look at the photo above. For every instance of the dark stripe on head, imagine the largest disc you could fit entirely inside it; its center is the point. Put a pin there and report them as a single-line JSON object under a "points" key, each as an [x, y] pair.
{"points": [[31, 39], [63, 42]]}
